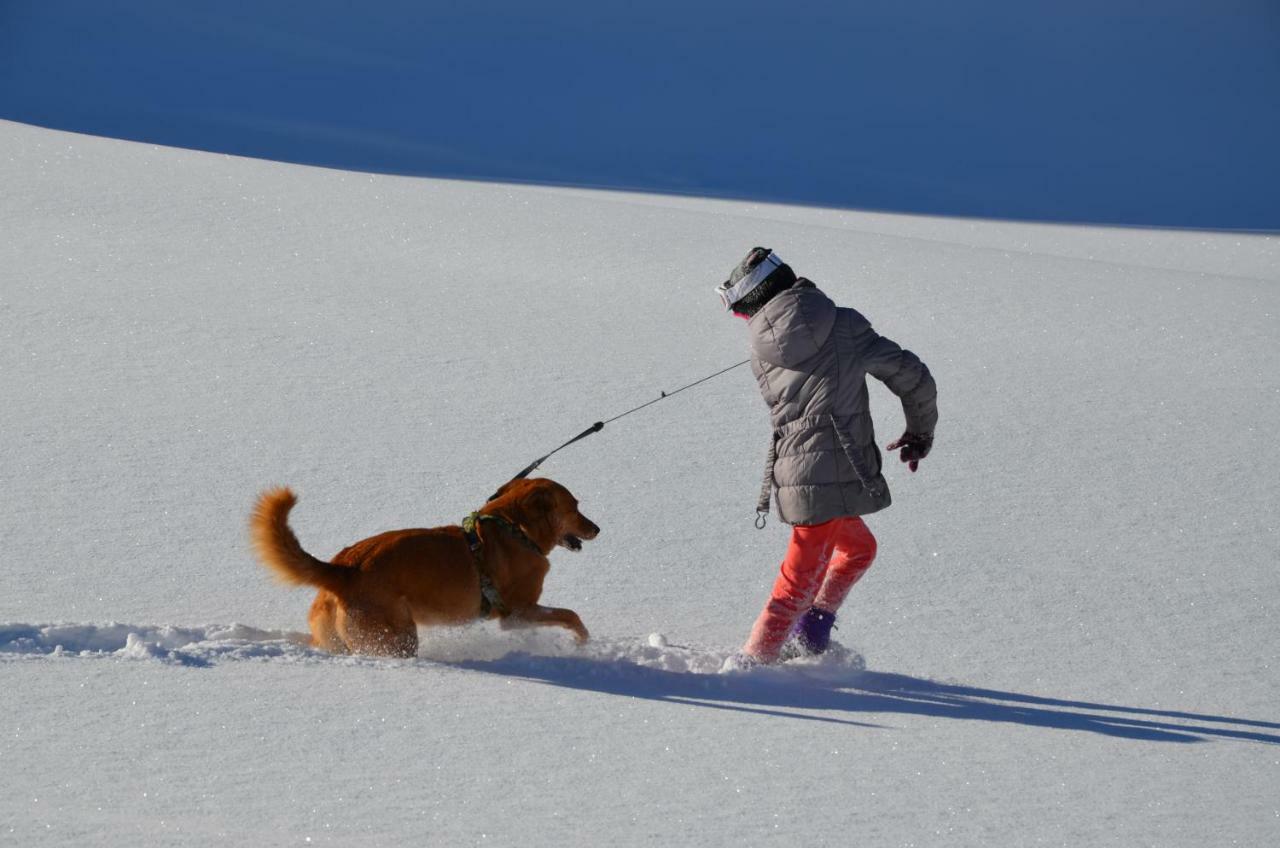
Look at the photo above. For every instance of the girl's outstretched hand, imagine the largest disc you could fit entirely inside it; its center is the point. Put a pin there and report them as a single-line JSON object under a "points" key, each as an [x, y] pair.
{"points": [[915, 447]]}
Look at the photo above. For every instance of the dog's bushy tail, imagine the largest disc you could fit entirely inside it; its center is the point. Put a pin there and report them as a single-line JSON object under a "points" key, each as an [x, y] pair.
{"points": [[279, 550]]}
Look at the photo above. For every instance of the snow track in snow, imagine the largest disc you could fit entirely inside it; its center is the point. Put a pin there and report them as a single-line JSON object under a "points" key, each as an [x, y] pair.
{"points": [[482, 647], [196, 646]]}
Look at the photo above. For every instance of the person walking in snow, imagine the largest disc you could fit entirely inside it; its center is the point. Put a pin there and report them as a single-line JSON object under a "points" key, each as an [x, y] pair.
{"points": [[810, 359]]}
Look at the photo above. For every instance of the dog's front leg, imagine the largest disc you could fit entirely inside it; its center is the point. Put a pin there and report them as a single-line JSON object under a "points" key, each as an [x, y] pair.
{"points": [[540, 616]]}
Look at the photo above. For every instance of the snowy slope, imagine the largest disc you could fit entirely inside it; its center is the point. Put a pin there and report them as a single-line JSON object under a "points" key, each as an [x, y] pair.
{"points": [[1069, 635], [1113, 111]]}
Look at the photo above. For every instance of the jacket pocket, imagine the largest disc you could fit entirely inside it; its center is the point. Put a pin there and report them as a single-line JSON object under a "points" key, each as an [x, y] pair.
{"points": [[867, 477]]}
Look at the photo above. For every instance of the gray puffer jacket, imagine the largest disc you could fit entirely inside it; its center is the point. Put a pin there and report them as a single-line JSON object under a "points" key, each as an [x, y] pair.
{"points": [[811, 359]]}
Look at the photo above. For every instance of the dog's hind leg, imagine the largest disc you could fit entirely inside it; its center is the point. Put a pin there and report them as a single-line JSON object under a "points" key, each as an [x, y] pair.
{"points": [[540, 616], [324, 624], [379, 631]]}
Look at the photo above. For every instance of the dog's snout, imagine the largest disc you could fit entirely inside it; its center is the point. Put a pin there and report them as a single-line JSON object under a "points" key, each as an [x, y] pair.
{"points": [[589, 528]]}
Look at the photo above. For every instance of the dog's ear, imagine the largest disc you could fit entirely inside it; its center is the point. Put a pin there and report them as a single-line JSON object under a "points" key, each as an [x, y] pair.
{"points": [[543, 499], [545, 507]]}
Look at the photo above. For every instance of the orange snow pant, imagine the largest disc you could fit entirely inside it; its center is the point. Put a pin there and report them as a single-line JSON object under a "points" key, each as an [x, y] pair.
{"points": [[821, 566]]}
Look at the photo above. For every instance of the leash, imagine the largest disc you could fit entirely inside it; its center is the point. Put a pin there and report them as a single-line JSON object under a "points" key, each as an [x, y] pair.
{"points": [[490, 598], [599, 425]]}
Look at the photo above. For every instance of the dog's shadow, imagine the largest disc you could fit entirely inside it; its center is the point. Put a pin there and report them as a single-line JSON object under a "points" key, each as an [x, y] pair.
{"points": [[873, 694]]}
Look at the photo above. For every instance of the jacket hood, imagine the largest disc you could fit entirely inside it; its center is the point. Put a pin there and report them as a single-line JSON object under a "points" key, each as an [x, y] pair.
{"points": [[792, 326]]}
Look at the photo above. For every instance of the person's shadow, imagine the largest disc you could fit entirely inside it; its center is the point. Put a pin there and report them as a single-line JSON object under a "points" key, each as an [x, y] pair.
{"points": [[871, 693]]}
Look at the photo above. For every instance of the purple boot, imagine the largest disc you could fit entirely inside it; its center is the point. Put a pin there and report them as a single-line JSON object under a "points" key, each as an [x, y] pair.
{"points": [[813, 631]]}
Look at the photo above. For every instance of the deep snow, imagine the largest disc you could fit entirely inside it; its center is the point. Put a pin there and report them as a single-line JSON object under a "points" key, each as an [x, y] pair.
{"points": [[1069, 635]]}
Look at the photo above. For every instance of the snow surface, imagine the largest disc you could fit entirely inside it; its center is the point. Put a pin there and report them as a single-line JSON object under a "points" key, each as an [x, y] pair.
{"points": [[1069, 637]]}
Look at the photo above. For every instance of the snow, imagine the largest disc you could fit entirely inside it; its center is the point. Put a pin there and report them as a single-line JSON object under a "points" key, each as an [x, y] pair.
{"points": [[1069, 636]]}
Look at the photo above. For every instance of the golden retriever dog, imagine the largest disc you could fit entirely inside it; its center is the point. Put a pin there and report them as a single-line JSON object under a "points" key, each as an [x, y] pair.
{"points": [[376, 593]]}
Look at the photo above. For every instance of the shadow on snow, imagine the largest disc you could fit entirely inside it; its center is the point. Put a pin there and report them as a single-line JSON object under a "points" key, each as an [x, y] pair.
{"points": [[834, 689], [788, 693]]}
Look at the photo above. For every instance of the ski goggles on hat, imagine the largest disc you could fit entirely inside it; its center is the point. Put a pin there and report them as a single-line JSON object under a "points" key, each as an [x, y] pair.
{"points": [[731, 294]]}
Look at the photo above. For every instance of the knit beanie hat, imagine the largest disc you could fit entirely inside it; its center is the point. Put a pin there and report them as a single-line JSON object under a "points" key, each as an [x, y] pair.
{"points": [[754, 281]]}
